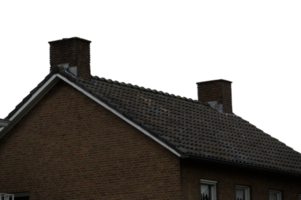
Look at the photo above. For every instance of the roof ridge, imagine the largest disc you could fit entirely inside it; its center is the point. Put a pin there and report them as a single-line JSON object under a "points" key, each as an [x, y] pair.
{"points": [[158, 92], [62, 70]]}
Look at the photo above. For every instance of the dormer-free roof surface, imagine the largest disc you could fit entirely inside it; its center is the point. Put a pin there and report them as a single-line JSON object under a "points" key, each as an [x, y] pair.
{"points": [[190, 127]]}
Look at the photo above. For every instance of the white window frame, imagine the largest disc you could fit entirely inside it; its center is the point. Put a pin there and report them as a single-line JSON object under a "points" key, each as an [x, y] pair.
{"points": [[246, 189], [278, 193], [213, 187], [6, 196]]}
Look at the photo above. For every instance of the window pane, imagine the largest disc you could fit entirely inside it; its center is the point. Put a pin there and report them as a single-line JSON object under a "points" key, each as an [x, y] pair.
{"points": [[273, 197], [240, 194], [205, 192]]}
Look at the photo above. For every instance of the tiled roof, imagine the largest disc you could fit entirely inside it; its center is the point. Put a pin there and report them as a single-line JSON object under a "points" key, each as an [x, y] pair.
{"points": [[191, 127]]}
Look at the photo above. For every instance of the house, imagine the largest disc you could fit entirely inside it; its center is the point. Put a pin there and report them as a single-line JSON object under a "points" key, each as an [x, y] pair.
{"points": [[77, 136]]}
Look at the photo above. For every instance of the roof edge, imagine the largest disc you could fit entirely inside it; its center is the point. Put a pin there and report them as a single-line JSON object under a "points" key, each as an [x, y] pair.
{"points": [[261, 168], [50, 81], [71, 38], [4, 122]]}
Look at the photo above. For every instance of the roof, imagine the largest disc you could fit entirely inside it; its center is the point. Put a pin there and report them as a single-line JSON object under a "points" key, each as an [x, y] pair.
{"points": [[188, 127]]}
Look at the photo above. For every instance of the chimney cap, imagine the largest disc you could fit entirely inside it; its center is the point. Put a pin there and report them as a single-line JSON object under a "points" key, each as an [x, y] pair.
{"points": [[214, 80], [78, 38]]}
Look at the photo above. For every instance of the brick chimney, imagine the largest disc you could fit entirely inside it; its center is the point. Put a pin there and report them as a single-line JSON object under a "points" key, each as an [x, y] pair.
{"points": [[72, 54], [217, 93]]}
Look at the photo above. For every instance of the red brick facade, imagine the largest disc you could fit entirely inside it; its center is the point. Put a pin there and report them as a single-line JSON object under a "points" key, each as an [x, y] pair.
{"points": [[228, 177], [217, 90], [75, 52], [70, 147]]}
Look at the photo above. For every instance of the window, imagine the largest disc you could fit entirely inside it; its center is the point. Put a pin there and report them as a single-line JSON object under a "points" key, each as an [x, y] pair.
{"points": [[6, 196], [242, 193], [16, 196], [208, 189], [274, 195]]}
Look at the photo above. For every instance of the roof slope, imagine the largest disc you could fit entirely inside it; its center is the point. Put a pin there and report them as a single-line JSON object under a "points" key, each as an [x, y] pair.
{"points": [[190, 127]]}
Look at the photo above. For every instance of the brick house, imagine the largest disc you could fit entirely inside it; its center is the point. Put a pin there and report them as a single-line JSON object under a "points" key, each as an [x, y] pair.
{"points": [[77, 136]]}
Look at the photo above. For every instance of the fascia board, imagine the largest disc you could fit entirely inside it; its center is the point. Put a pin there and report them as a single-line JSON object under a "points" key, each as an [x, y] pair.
{"points": [[34, 99], [52, 82]]}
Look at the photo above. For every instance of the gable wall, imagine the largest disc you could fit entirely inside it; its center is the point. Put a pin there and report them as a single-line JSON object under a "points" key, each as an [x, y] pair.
{"points": [[228, 177], [69, 147]]}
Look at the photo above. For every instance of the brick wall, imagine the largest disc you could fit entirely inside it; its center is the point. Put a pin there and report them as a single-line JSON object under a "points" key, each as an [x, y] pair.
{"points": [[69, 147], [75, 51], [228, 177], [216, 90]]}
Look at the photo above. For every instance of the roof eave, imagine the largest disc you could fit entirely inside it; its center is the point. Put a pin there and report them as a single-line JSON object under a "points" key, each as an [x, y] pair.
{"points": [[243, 165], [4, 123]]}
